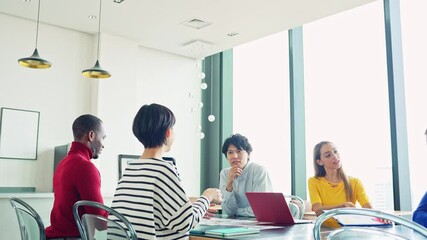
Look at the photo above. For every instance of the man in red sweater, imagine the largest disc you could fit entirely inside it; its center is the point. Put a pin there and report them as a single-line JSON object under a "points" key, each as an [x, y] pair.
{"points": [[77, 178]]}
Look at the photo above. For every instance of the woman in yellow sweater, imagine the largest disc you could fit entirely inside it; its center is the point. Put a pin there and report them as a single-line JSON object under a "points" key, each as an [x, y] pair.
{"points": [[330, 187]]}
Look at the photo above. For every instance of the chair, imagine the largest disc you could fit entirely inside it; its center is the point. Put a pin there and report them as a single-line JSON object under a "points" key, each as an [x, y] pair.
{"points": [[364, 232], [296, 206], [98, 227], [30, 224]]}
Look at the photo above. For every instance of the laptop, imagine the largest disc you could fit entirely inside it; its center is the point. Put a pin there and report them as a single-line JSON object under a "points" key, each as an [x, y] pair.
{"points": [[272, 207]]}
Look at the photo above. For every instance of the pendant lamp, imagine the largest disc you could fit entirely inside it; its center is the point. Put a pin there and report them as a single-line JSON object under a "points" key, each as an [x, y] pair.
{"points": [[96, 71], [35, 61]]}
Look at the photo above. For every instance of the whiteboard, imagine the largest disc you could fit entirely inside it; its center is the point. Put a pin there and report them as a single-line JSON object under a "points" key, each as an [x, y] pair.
{"points": [[19, 130]]}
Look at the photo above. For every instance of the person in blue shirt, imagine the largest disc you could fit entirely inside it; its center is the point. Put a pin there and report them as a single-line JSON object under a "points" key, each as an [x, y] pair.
{"points": [[242, 176], [420, 215]]}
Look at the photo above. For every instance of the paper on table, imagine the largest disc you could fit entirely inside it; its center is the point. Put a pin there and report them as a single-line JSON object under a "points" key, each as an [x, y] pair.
{"points": [[360, 220], [236, 222]]}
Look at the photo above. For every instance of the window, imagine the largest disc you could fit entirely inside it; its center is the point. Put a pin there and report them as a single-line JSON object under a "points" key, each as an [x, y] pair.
{"points": [[346, 96], [261, 104], [414, 37]]}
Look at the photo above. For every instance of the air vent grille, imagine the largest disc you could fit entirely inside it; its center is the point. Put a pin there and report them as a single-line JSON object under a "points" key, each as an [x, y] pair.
{"points": [[196, 23]]}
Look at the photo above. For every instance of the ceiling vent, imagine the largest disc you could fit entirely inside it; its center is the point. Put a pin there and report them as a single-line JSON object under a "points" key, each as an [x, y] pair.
{"points": [[198, 48], [196, 23]]}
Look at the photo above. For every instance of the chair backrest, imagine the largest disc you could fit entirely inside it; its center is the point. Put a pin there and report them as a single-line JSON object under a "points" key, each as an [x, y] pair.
{"points": [[30, 224], [367, 232], [98, 227], [296, 206]]}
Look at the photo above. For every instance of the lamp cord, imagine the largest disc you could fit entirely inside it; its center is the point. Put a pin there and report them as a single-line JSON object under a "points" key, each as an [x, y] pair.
{"points": [[38, 20], [211, 83], [99, 28]]}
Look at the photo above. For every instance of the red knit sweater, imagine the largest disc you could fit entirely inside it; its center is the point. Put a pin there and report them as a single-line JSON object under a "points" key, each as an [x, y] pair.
{"points": [[76, 178]]}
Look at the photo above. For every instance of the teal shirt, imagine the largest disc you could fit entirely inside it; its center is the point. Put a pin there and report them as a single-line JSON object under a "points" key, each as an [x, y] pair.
{"points": [[254, 179]]}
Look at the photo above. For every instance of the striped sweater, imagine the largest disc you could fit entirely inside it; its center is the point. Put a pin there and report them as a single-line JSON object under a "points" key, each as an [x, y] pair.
{"points": [[151, 197]]}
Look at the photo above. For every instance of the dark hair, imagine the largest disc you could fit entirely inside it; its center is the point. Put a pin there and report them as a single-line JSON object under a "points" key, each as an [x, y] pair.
{"points": [[319, 171], [84, 124], [151, 123], [239, 141]]}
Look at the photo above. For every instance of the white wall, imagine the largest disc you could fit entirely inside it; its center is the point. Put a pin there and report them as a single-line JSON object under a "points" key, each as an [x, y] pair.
{"points": [[139, 76], [142, 76], [174, 83], [59, 94]]}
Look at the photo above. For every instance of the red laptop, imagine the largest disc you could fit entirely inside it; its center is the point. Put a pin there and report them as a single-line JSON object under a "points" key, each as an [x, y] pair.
{"points": [[272, 207]]}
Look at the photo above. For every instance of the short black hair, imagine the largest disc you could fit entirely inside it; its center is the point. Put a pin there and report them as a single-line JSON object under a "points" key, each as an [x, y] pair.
{"points": [[84, 124], [239, 141], [151, 123]]}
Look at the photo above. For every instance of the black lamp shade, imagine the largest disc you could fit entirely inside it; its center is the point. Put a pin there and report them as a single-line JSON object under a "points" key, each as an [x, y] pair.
{"points": [[96, 72], [34, 61]]}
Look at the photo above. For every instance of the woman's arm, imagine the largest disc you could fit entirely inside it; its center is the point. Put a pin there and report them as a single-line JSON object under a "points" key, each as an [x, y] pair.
{"points": [[318, 207], [360, 193], [179, 213], [367, 205]]}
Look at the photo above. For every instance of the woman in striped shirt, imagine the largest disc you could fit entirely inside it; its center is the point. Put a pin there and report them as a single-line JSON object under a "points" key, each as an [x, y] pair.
{"points": [[150, 194]]}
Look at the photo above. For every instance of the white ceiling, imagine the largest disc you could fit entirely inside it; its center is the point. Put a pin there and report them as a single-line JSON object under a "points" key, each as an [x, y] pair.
{"points": [[158, 23]]}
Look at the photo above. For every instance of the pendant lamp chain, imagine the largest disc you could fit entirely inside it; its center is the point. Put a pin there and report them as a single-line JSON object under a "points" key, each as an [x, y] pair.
{"points": [[211, 117]]}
